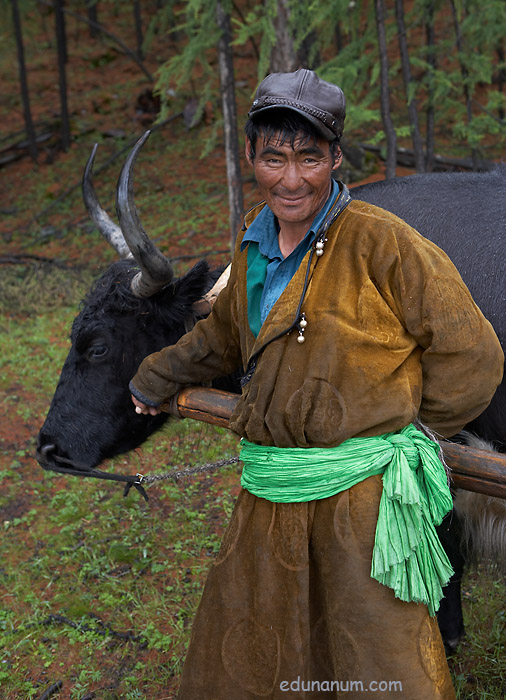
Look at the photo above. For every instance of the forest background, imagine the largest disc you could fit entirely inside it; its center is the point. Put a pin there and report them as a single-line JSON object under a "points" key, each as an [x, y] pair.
{"points": [[98, 592]]}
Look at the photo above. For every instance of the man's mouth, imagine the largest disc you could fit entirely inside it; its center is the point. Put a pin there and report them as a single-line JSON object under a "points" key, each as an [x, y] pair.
{"points": [[291, 200]]}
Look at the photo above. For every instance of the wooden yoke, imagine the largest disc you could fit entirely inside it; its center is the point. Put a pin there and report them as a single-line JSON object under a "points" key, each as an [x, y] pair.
{"points": [[476, 470], [471, 469], [204, 404]]}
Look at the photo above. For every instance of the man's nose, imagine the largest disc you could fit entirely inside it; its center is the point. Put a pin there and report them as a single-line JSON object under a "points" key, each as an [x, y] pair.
{"points": [[292, 176]]}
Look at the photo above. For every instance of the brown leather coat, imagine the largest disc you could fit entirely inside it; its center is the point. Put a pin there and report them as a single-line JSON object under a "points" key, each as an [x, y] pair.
{"points": [[392, 333]]}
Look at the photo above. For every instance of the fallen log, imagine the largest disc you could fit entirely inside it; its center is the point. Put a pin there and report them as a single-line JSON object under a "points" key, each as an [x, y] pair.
{"points": [[470, 469], [406, 158]]}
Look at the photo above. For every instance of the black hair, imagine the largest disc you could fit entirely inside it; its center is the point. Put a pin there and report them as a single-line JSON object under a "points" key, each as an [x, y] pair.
{"points": [[288, 125]]}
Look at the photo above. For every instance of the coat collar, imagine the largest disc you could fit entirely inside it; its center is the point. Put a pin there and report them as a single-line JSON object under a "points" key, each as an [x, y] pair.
{"points": [[285, 315]]}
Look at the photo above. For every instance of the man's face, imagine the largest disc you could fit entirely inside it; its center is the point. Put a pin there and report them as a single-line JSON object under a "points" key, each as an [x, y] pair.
{"points": [[295, 182]]}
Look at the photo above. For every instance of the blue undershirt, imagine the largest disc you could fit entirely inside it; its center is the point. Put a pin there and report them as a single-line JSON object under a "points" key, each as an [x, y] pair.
{"points": [[268, 271]]}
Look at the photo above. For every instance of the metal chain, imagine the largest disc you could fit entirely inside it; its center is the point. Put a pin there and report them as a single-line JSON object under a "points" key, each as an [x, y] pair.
{"points": [[177, 474]]}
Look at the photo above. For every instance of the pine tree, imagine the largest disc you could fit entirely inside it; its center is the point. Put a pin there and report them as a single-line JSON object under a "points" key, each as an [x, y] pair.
{"points": [[339, 39], [227, 88], [23, 81], [386, 115]]}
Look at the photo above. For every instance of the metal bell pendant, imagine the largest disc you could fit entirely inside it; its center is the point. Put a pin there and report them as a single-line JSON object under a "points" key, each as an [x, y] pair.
{"points": [[320, 244], [302, 327]]}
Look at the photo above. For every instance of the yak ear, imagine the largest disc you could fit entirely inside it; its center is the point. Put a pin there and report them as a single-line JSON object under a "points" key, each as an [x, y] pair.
{"points": [[193, 284]]}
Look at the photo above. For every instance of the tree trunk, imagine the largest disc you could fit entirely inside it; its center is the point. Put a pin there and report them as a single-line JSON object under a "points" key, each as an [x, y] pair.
{"points": [[386, 116], [30, 130], [60, 43], [431, 60], [93, 17], [339, 38], [408, 84], [465, 74], [501, 76], [227, 89], [138, 28], [284, 58], [308, 55], [105, 32]]}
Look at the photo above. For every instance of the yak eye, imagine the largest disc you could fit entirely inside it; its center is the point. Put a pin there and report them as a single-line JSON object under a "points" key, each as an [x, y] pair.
{"points": [[96, 352]]}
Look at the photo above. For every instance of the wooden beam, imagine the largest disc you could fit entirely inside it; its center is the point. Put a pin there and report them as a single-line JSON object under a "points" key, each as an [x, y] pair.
{"points": [[476, 470], [203, 404], [471, 469]]}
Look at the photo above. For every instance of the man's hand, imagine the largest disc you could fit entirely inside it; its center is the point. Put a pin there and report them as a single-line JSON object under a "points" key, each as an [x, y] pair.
{"points": [[143, 408]]}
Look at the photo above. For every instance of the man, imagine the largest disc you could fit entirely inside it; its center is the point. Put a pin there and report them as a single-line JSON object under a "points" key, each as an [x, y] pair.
{"points": [[348, 326]]}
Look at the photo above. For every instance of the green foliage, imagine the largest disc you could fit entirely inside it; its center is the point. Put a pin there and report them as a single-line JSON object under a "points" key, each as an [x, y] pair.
{"points": [[356, 66], [191, 71], [258, 23], [325, 17], [353, 68]]}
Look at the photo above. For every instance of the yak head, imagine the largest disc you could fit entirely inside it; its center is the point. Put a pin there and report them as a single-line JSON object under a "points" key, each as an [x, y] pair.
{"points": [[135, 308]]}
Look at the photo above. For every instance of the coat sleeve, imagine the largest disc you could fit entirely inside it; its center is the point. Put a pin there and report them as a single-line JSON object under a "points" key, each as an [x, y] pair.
{"points": [[462, 360], [211, 349]]}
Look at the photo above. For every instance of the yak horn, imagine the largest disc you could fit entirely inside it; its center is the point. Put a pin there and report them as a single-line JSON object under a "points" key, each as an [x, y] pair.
{"points": [[156, 270], [109, 230]]}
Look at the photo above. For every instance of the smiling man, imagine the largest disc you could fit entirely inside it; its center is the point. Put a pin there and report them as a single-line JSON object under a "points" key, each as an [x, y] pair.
{"points": [[348, 326]]}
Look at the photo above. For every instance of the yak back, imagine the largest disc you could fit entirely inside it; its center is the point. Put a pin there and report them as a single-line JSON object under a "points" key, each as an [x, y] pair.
{"points": [[465, 215]]}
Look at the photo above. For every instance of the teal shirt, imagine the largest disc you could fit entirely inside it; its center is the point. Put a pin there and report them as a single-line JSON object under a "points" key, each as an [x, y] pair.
{"points": [[268, 272]]}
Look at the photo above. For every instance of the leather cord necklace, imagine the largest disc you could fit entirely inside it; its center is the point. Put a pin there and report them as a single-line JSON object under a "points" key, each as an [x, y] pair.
{"points": [[300, 321]]}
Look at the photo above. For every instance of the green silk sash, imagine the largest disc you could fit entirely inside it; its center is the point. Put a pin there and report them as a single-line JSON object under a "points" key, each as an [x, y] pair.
{"points": [[407, 556]]}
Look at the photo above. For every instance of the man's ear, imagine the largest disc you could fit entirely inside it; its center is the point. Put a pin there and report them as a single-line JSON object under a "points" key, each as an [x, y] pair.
{"points": [[338, 159], [249, 152]]}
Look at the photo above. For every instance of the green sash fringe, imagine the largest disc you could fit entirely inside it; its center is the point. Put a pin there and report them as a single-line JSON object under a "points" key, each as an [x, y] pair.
{"points": [[407, 556]]}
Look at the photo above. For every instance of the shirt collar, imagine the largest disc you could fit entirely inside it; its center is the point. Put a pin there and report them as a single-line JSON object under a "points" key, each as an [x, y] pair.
{"points": [[264, 229]]}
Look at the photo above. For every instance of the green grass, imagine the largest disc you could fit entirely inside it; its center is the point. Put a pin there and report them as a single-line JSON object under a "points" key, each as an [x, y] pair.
{"points": [[105, 581], [479, 667]]}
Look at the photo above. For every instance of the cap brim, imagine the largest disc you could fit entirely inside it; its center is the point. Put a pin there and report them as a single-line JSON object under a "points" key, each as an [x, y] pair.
{"points": [[324, 131]]}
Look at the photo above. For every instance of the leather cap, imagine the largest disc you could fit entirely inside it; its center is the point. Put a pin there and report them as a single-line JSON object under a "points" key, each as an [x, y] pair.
{"points": [[320, 102]]}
